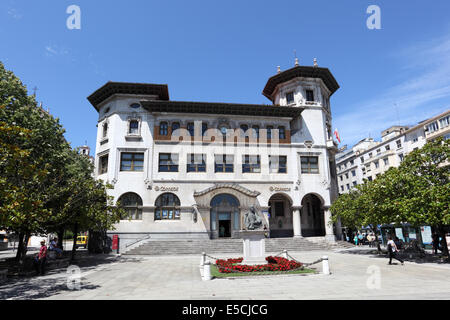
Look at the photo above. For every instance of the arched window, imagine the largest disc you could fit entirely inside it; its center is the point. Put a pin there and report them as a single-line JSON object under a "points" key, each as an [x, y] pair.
{"points": [[281, 133], [175, 127], [163, 129], [191, 128], [167, 207], [105, 130], [225, 214], [132, 204], [269, 132], [244, 129], [134, 127]]}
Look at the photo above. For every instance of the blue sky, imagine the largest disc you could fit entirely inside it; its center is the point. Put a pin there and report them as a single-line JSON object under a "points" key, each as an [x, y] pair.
{"points": [[224, 51]]}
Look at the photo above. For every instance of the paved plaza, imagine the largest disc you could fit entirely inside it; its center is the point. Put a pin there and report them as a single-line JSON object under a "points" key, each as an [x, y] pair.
{"points": [[354, 276]]}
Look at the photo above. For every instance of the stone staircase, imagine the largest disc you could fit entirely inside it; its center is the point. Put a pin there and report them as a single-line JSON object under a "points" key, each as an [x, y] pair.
{"points": [[194, 246]]}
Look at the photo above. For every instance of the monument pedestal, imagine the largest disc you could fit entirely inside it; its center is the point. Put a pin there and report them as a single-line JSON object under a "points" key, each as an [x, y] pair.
{"points": [[254, 247]]}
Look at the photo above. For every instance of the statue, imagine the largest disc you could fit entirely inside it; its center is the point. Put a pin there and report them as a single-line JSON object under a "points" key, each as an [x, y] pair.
{"points": [[252, 220]]}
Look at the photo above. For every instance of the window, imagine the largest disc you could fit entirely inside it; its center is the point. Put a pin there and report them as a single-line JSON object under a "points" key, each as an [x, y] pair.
{"points": [[175, 127], [278, 164], [191, 128], [353, 173], [399, 143], [370, 155], [444, 122], [362, 159], [135, 105], [415, 139], [378, 151], [369, 178], [386, 161], [388, 148], [255, 130], [310, 164], [167, 207], [432, 127], [103, 167], [269, 132], [342, 178], [279, 209], [400, 156], [196, 163], [105, 130], [168, 162], [352, 162], [348, 186], [290, 97], [377, 164], [134, 127], [251, 163], [223, 163], [204, 128], [354, 183], [281, 133], [346, 176], [309, 95], [342, 188], [131, 203], [244, 129], [163, 129], [131, 161]]}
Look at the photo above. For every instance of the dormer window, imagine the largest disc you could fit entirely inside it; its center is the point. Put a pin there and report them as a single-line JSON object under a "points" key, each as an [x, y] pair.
{"points": [[135, 105], [290, 97], [163, 129], [281, 133], [134, 127], [309, 95]]}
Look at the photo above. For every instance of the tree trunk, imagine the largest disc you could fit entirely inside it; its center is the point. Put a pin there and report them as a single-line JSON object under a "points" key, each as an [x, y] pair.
{"points": [[25, 244], [19, 246], [60, 234], [378, 241], [74, 247]]}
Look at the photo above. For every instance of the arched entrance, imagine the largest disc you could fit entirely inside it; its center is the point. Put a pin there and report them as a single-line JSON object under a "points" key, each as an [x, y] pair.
{"points": [[225, 215], [312, 216], [280, 216]]}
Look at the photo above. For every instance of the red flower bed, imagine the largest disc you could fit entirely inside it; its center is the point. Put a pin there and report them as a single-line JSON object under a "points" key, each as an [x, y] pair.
{"points": [[273, 264]]}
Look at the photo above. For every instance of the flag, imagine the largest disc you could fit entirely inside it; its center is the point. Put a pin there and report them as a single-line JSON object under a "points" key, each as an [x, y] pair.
{"points": [[336, 133]]}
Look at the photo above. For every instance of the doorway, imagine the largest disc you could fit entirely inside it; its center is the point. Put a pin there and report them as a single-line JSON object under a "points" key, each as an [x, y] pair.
{"points": [[224, 225]]}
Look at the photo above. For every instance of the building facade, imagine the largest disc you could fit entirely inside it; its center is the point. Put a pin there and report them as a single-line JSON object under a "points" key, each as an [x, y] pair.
{"points": [[368, 158], [193, 169]]}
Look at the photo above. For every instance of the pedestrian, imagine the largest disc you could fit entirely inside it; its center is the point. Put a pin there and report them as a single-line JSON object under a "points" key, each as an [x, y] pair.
{"points": [[355, 239], [40, 259], [369, 240], [392, 250], [54, 247], [360, 239], [435, 242]]}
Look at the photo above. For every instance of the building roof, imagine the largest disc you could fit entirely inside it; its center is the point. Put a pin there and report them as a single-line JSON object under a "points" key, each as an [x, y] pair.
{"points": [[111, 88], [221, 108], [301, 71]]}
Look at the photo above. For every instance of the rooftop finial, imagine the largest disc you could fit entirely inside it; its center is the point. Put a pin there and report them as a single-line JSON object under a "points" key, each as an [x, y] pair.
{"points": [[315, 62], [296, 59], [278, 69]]}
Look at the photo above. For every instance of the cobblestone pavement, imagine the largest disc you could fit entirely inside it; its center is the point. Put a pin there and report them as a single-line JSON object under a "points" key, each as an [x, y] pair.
{"points": [[354, 276]]}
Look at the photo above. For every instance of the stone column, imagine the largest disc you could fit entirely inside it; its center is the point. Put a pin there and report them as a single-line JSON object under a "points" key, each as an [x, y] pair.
{"points": [[329, 233], [296, 221]]}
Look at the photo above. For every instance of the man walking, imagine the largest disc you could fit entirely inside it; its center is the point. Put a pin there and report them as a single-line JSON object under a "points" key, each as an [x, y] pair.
{"points": [[392, 250]]}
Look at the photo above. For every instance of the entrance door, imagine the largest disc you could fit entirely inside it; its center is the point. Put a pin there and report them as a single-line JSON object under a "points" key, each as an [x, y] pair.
{"points": [[224, 225]]}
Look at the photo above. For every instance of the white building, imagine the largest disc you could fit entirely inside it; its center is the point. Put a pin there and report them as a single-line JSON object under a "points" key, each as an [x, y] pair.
{"points": [[193, 169], [368, 158]]}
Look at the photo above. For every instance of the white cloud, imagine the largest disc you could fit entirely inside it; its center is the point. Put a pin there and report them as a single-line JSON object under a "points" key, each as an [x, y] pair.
{"points": [[53, 50], [426, 74], [14, 13]]}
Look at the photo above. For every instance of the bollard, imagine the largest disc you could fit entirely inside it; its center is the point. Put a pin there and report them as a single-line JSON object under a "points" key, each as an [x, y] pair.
{"points": [[207, 271], [325, 265], [285, 254], [202, 263]]}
